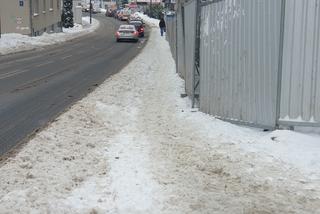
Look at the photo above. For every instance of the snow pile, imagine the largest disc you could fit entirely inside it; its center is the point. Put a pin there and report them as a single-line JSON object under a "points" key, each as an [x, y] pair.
{"points": [[150, 21], [102, 10], [12, 42], [134, 146], [298, 149]]}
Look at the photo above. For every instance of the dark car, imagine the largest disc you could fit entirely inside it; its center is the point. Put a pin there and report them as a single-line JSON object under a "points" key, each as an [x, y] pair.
{"points": [[139, 26], [110, 13]]}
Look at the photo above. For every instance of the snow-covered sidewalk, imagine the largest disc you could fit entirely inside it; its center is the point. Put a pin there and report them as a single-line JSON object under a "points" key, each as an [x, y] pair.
{"points": [[134, 146], [12, 42]]}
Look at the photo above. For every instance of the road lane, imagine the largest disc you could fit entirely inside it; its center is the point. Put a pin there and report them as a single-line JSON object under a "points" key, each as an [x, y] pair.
{"points": [[36, 86]]}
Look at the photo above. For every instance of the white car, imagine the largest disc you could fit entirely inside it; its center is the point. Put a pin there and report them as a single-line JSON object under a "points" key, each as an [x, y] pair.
{"points": [[127, 33]]}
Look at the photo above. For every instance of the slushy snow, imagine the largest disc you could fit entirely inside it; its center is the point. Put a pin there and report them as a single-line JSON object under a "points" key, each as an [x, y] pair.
{"points": [[135, 146], [13, 42]]}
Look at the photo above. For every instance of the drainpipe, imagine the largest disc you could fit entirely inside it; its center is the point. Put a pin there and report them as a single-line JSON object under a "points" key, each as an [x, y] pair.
{"points": [[31, 20], [280, 65]]}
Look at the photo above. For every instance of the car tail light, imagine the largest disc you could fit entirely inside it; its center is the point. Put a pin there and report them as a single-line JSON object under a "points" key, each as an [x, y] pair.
{"points": [[135, 33], [117, 34]]}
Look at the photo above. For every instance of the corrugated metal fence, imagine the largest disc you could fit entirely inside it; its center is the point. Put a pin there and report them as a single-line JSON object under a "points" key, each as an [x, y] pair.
{"points": [[189, 46], [180, 43], [300, 97], [259, 60], [239, 60], [171, 25]]}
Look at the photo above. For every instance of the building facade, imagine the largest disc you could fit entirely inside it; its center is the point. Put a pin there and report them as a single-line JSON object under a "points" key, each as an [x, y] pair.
{"points": [[30, 17]]}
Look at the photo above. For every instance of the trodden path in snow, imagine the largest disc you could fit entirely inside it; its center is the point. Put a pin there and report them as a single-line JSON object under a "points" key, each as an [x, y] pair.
{"points": [[134, 146]]}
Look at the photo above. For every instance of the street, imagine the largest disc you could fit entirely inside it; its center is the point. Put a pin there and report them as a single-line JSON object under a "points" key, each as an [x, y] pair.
{"points": [[36, 86]]}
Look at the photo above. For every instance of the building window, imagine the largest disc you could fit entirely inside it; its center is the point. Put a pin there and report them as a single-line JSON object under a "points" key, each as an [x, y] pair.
{"points": [[44, 6], [35, 7]]}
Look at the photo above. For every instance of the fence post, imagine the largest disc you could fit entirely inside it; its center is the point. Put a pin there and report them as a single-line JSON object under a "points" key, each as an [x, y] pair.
{"points": [[176, 40], [280, 62], [196, 70]]}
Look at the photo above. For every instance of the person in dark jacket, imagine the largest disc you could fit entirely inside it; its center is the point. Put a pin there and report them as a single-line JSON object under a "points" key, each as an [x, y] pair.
{"points": [[162, 25]]}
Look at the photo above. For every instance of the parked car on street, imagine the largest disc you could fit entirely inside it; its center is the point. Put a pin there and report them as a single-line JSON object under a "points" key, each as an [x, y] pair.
{"points": [[125, 15], [127, 33], [136, 19], [139, 26], [116, 14], [94, 10], [85, 9], [110, 13]]}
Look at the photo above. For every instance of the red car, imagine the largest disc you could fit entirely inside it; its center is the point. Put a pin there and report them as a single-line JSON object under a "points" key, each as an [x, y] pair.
{"points": [[139, 26]]}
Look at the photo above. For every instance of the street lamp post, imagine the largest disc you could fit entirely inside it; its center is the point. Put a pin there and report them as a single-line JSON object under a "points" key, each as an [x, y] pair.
{"points": [[150, 6], [90, 8]]}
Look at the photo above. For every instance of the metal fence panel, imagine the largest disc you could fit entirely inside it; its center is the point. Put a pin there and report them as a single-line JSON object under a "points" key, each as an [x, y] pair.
{"points": [[239, 53], [300, 100], [171, 25], [180, 44], [190, 38]]}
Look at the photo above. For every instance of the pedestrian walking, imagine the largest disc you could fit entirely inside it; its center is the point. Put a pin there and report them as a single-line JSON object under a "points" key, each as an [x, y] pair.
{"points": [[162, 25]]}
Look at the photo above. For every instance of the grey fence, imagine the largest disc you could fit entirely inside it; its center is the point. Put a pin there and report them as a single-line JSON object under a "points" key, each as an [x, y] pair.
{"points": [[300, 97], [239, 60], [259, 60], [189, 46], [171, 35], [180, 43]]}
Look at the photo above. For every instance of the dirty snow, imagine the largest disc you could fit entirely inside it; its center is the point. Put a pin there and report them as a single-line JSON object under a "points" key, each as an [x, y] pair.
{"points": [[13, 42], [134, 146]]}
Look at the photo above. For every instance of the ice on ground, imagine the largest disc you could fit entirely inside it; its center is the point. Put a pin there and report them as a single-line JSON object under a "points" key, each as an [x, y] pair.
{"points": [[13, 42], [134, 146]]}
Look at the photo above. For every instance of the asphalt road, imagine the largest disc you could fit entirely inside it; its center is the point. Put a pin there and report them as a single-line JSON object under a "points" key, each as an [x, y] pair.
{"points": [[36, 86]]}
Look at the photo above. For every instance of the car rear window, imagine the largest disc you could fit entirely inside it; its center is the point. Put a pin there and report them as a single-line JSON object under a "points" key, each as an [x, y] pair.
{"points": [[136, 23], [127, 27]]}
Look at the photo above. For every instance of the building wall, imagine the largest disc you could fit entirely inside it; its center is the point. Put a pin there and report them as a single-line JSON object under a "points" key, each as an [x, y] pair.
{"points": [[47, 17], [15, 16]]}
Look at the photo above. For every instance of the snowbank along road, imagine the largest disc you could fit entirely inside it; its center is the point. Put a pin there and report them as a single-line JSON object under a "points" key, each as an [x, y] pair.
{"points": [[36, 86]]}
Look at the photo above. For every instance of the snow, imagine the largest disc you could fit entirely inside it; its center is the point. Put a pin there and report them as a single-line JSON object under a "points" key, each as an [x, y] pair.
{"points": [[135, 146], [12, 42], [151, 21], [102, 10], [301, 150]]}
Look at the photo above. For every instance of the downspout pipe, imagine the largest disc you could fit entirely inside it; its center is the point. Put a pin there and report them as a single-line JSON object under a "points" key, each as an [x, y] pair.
{"points": [[30, 17], [280, 65]]}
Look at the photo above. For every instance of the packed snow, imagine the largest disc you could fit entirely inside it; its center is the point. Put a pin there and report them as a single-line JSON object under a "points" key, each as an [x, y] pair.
{"points": [[102, 10], [135, 146], [13, 42]]}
